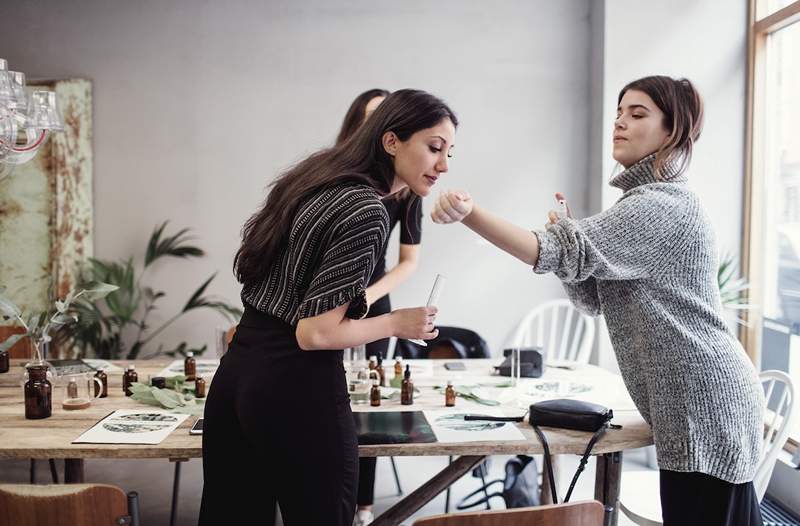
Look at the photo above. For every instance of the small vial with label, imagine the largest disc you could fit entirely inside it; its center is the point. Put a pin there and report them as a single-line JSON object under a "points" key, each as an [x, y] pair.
{"points": [[190, 367], [129, 377], [375, 394], [407, 388], [199, 387], [449, 395]]}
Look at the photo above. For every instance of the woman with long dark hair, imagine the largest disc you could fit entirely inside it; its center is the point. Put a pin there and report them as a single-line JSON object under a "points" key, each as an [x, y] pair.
{"points": [[404, 209], [278, 410], [649, 265]]}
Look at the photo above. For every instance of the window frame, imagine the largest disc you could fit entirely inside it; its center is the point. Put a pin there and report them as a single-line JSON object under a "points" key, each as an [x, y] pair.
{"points": [[752, 264]]}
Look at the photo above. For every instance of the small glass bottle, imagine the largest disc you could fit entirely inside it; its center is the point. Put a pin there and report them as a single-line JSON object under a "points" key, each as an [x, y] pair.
{"points": [[4, 362], [103, 377], [449, 395], [158, 381], [379, 370], [375, 394], [398, 367], [130, 376], [407, 389], [199, 387], [373, 363], [38, 393], [190, 367]]}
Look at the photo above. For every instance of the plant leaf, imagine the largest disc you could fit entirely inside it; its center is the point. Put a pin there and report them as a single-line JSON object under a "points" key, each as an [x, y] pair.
{"points": [[8, 308], [175, 245], [197, 299], [96, 290], [10, 341]]}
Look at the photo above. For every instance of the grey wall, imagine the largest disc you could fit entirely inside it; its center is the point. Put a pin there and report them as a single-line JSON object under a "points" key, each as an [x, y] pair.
{"points": [[198, 105]]}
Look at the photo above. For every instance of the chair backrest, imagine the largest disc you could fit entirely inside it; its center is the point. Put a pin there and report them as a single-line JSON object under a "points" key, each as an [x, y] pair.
{"points": [[559, 329], [582, 513], [62, 505], [451, 343], [779, 394]]}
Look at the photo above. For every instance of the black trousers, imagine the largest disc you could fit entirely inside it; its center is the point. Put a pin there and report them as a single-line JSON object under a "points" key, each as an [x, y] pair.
{"points": [[366, 465], [278, 427], [689, 499]]}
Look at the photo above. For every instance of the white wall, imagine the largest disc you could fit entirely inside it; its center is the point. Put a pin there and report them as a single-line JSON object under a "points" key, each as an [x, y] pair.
{"points": [[704, 41], [198, 105]]}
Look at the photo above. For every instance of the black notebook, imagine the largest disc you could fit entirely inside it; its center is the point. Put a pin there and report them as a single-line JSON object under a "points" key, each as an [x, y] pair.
{"points": [[393, 427]]}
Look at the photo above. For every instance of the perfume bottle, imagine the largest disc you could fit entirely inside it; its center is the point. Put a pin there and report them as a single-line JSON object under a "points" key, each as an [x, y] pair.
{"points": [[190, 367], [407, 388], [128, 377], [38, 393], [375, 394], [449, 395]]}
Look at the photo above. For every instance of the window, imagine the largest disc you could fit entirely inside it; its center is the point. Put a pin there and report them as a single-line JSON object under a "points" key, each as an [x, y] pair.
{"points": [[772, 236]]}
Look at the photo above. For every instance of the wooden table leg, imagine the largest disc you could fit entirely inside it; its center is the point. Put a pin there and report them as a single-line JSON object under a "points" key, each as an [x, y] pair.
{"points": [[425, 493], [73, 471], [607, 484]]}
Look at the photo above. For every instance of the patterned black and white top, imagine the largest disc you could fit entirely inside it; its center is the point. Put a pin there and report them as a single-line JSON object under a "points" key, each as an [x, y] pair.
{"points": [[336, 237]]}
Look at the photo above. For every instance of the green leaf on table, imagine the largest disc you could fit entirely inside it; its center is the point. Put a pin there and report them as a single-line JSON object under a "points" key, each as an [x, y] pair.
{"points": [[168, 399]]}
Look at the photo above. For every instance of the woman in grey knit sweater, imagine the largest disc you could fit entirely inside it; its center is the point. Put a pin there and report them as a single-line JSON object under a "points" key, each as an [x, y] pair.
{"points": [[648, 264]]}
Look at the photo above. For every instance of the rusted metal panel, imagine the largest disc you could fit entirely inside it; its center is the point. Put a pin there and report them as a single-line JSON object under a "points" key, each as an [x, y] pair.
{"points": [[46, 213]]}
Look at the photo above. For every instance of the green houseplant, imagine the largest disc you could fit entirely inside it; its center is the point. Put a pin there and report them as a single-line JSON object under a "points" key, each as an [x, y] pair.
{"points": [[118, 327]]}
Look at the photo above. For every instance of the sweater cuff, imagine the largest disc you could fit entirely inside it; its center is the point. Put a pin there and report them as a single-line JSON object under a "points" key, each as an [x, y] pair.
{"points": [[549, 252]]}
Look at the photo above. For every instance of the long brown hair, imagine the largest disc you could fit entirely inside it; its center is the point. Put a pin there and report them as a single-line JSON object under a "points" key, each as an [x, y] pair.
{"points": [[361, 158], [356, 113], [682, 106]]}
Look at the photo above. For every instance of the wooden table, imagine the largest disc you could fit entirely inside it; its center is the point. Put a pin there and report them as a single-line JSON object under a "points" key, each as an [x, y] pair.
{"points": [[51, 437]]}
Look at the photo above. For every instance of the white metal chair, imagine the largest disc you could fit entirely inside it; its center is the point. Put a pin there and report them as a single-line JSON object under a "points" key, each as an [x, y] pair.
{"points": [[559, 329], [779, 394]]}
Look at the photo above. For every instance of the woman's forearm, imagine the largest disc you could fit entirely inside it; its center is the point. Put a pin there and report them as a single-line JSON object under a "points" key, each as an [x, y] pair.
{"points": [[390, 280], [347, 333], [520, 243]]}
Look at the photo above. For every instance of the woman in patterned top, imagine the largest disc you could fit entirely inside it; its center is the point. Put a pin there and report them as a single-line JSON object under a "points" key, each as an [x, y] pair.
{"points": [[278, 404], [405, 208]]}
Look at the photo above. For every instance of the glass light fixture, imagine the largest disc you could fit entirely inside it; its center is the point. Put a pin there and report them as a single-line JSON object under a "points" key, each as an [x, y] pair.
{"points": [[25, 121]]}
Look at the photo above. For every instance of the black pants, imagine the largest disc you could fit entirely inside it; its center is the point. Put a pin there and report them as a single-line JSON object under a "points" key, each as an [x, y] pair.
{"points": [[689, 499], [366, 465], [278, 427]]}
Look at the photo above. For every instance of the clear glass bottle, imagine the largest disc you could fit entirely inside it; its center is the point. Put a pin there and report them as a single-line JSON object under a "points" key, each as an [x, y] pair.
{"points": [[190, 367], [38, 393], [449, 395], [380, 371]]}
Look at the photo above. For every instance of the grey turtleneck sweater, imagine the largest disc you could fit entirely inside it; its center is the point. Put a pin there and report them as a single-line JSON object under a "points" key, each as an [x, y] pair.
{"points": [[649, 265]]}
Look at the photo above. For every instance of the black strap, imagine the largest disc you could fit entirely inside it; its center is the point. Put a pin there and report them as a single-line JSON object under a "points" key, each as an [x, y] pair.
{"points": [[549, 466], [463, 504]]}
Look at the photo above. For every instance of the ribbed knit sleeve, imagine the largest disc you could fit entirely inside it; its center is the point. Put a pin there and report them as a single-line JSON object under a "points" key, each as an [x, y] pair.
{"points": [[628, 241]]}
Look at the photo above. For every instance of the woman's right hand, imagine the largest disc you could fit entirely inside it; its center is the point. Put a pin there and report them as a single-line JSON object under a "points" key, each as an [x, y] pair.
{"points": [[416, 323], [451, 207]]}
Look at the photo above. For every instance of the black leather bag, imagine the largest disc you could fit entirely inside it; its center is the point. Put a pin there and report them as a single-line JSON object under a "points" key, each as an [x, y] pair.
{"points": [[569, 414]]}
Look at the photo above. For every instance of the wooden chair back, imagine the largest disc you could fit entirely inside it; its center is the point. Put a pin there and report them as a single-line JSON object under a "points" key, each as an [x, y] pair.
{"points": [[582, 513], [62, 505]]}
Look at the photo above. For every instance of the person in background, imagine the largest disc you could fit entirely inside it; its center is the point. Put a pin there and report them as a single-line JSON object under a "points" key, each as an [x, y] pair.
{"points": [[404, 208], [648, 264]]}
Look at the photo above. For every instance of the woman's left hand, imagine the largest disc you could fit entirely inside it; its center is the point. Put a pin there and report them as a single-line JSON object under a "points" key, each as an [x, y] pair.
{"points": [[451, 207], [553, 215]]}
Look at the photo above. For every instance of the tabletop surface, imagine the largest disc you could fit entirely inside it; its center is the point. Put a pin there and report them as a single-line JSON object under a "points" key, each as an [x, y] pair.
{"points": [[52, 437]]}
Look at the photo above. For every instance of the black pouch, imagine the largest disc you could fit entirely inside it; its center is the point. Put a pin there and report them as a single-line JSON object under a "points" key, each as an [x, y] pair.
{"points": [[569, 414]]}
